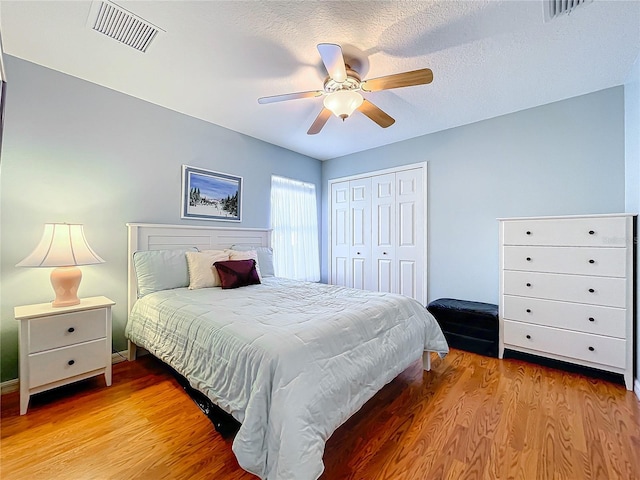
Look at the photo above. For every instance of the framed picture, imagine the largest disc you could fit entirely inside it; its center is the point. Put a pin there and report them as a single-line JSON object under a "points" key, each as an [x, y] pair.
{"points": [[211, 195]]}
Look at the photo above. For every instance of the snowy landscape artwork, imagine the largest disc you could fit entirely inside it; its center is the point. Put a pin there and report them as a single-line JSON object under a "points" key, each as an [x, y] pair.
{"points": [[210, 195]]}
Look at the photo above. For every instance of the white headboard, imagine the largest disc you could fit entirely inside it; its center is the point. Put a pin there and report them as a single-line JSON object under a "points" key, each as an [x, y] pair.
{"points": [[148, 236]]}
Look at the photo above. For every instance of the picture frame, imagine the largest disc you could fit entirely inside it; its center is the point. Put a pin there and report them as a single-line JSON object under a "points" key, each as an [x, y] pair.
{"points": [[210, 195]]}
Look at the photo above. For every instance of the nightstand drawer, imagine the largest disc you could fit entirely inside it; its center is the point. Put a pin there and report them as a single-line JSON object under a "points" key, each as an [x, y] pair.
{"points": [[575, 345], [66, 329], [54, 365]]}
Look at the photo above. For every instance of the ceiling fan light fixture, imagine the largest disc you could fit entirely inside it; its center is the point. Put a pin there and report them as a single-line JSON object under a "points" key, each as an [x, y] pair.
{"points": [[343, 102]]}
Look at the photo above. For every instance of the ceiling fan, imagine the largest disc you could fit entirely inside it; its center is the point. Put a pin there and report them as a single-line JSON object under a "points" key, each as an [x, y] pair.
{"points": [[343, 86]]}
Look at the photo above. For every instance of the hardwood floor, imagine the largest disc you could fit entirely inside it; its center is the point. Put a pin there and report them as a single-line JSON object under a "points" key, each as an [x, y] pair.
{"points": [[471, 417]]}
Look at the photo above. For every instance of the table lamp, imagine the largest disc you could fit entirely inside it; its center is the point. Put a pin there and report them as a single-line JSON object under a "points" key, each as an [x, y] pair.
{"points": [[63, 246]]}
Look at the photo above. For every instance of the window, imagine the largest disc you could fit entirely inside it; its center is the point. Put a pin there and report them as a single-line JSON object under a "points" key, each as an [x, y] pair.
{"points": [[294, 219]]}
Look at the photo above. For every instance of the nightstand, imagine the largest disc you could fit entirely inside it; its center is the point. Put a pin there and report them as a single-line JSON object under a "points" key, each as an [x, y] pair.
{"points": [[63, 345]]}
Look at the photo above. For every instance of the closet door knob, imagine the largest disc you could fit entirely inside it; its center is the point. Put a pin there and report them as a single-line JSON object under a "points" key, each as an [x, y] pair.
{"points": [[591, 290], [591, 349], [592, 261], [591, 232], [591, 319]]}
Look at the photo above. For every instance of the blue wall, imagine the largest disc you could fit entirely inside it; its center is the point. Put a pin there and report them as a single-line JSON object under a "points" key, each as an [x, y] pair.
{"points": [[77, 152], [562, 158], [632, 169]]}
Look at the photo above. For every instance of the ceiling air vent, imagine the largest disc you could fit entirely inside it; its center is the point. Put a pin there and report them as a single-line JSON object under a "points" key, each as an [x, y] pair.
{"points": [[555, 8], [122, 25]]}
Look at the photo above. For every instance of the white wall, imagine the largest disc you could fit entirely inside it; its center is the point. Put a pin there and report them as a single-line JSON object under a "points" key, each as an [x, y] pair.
{"points": [[632, 168], [562, 158], [80, 153]]}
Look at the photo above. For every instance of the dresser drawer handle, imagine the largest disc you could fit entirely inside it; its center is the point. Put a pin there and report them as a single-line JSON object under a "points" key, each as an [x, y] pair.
{"points": [[528, 310], [591, 349], [591, 232], [528, 259], [71, 362], [528, 337], [528, 284], [592, 261], [528, 232], [591, 290], [71, 329], [591, 319]]}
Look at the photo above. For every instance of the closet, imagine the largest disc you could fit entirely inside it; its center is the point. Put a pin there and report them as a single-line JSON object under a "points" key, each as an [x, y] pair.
{"points": [[378, 235]]}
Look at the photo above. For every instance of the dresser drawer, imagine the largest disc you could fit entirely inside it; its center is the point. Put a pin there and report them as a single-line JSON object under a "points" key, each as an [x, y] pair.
{"points": [[593, 319], [66, 329], [54, 365], [606, 262], [605, 291], [598, 232], [574, 345]]}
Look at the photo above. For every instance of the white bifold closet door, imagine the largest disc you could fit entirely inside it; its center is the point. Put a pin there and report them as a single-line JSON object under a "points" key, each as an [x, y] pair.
{"points": [[378, 239]]}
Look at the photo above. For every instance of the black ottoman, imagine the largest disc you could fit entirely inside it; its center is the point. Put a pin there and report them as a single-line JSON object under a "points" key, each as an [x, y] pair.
{"points": [[470, 326]]}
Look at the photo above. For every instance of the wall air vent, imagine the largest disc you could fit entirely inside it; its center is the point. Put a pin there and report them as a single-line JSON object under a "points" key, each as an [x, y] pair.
{"points": [[555, 8], [122, 25]]}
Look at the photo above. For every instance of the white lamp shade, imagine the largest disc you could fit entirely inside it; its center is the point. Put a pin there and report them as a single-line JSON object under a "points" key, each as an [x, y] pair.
{"points": [[343, 102], [62, 245]]}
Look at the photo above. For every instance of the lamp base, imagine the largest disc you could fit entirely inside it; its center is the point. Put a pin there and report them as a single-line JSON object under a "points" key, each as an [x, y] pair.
{"points": [[65, 281]]}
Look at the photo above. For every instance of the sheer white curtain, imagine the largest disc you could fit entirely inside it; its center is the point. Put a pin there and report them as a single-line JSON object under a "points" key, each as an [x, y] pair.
{"points": [[294, 219]]}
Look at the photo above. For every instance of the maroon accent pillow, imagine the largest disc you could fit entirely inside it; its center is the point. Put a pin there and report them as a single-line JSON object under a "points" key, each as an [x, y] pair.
{"points": [[237, 273]]}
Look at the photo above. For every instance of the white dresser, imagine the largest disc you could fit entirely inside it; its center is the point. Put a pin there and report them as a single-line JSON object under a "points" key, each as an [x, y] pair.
{"points": [[566, 289]]}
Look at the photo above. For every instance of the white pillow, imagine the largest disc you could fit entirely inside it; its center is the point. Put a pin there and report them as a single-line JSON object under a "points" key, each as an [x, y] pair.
{"points": [[265, 258], [160, 270], [245, 255], [202, 273]]}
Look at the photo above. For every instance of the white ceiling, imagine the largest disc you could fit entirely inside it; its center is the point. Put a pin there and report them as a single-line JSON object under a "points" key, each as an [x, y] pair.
{"points": [[217, 57]]}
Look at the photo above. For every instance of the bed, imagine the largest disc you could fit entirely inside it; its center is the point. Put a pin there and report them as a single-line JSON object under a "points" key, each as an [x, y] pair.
{"points": [[290, 360]]}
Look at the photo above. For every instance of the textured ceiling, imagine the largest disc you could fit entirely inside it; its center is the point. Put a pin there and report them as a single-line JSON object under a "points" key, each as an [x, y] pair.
{"points": [[216, 58]]}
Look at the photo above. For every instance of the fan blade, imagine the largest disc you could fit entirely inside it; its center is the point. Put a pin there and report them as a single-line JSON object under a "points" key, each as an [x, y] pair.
{"points": [[406, 79], [319, 122], [333, 61], [375, 114], [290, 96]]}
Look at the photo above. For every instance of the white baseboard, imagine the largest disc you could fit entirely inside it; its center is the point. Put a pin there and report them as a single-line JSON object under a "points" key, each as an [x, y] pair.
{"points": [[636, 387], [14, 385]]}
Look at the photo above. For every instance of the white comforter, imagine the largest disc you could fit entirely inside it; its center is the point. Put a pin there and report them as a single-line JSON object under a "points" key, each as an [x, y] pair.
{"points": [[290, 360]]}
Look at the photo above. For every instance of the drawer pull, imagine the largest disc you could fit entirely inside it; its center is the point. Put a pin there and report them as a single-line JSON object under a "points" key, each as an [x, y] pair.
{"points": [[384, 253], [529, 337], [528, 259], [528, 310], [592, 261], [591, 349], [591, 290], [591, 232], [357, 253], [528, 232], [528, 284], [591, 319], [71, 330], [71, 362]]}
